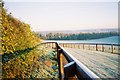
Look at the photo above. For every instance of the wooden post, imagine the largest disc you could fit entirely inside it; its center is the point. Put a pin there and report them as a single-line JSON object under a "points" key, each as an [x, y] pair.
{"points": [[56, 48], [111, 48], [96, 47], [89, 46], [102, 48], [52, 45], [83, 46], [57, 51], [78, 46], [69, 71], [60, 62]]}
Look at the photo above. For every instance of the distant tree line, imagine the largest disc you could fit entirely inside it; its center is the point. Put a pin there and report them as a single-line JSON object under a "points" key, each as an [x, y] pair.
{"points": [[80, 36]]}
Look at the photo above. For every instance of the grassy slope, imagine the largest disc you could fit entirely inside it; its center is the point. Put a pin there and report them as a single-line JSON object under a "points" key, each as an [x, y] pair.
{"points": [[21, 52]]}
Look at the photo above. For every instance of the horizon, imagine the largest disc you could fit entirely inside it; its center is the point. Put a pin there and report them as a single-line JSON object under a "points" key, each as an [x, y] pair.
{"points": [[80, 30], [62, 16]]}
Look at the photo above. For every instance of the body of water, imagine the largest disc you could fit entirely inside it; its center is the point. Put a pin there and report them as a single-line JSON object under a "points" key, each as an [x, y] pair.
{"points": [[108, 40]]}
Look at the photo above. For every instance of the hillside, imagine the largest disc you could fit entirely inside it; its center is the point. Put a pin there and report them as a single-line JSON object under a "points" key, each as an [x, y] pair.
{"points": [[21, 51], [16, 35], [17, 45]]}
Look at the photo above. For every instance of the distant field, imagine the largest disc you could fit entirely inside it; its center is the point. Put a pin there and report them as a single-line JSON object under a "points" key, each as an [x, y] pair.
{"points": [[108, 40]]}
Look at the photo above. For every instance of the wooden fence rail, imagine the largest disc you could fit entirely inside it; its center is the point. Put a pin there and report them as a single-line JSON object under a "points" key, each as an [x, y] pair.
{"points": [[69, 67]]}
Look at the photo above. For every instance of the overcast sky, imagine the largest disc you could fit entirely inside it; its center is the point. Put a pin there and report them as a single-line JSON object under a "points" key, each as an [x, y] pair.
{"points": [[49, 16]]}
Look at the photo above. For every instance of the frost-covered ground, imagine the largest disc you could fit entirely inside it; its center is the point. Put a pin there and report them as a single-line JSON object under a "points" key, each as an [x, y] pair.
{"points": [[103, 64], [47, 66]]}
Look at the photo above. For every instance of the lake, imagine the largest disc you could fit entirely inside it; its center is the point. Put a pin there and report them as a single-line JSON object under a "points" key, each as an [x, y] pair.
{"points": [[108, 40]]}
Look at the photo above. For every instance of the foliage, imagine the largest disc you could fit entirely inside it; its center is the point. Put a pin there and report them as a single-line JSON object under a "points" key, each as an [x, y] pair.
{"points": [[39, 62], [16, 35], [19, 46], [21, 66]]}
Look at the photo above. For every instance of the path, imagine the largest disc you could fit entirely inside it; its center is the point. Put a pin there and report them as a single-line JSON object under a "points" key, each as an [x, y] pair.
{"points": [[103, 64]]}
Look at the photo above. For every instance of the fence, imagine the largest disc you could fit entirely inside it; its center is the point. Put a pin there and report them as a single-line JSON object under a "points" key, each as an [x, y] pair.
{"points": [[69, 67], [112, 48]]}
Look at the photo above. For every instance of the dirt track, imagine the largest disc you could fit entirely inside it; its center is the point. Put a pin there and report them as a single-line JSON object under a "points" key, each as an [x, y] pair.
{"points": [[103, 64]]}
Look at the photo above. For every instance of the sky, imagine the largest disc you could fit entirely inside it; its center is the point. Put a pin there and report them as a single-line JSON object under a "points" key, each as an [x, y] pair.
{"points": [[69, 15]]}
